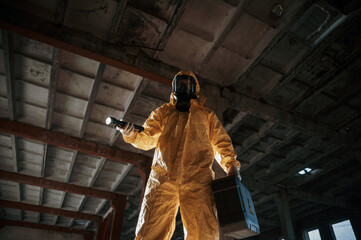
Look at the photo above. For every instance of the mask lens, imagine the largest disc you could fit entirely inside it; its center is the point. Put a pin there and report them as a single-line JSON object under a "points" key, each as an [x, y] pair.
{"points": [[184, 84]]}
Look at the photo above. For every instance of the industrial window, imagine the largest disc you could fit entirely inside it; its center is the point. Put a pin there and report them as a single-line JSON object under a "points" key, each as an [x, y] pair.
{"points": [[343, 230], [314, 235]]}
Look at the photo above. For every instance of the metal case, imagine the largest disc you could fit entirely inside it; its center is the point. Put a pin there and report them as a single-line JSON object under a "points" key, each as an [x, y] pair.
{"points": [[236, 214]]}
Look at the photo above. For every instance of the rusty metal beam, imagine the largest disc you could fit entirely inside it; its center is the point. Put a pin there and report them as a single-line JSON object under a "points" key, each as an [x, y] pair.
{"points": [[45, 227], [66, 187], [118, 213], [102, 228], [49, 210], [62, 140]]}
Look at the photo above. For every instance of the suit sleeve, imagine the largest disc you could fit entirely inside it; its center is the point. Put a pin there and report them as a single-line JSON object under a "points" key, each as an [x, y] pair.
{"points": [[222, 145], [148, 138]]}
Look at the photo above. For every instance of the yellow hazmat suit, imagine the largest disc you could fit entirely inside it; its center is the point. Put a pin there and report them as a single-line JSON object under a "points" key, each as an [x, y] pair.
{"points": [[181, 175]]}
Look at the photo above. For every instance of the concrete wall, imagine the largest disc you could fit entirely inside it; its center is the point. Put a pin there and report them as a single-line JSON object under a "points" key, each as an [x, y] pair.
{"points": [[21, 233]]}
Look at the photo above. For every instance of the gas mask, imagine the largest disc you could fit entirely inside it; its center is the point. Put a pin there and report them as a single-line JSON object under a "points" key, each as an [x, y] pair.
{"points": [[184, 89]]}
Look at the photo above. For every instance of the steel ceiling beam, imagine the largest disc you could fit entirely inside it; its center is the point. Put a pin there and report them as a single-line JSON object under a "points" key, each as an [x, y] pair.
{"points": [[299, 166], [329, 166], [317, 198], [49, 210], [304, 212], [45, 227], [118, 207], [269, 151], [352, 179], [260, 186], [70, 40], [268, 221], [268, 112], [66, 187], [62, 140], [306, 196]]}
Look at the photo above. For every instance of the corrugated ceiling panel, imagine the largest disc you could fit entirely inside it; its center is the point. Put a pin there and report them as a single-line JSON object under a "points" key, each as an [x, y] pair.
{"points": [[72, 106], [67, 124], [32, 48], [113, 96], [74, 84], [79, 64], [30, 114], [32, 70], [51, 198], [30, 194], [121, 78]]}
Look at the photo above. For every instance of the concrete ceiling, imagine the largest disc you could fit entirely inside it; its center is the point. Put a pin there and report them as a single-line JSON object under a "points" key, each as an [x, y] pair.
{"points": [[282, 75]]}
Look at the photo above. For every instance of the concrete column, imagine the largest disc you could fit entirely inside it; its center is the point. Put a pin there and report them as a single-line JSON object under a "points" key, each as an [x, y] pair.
{"points": [[118, 206], [285, 215]]}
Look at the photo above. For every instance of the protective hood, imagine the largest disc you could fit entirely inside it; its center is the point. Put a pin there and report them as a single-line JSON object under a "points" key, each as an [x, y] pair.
{"points": [[200, 97]]}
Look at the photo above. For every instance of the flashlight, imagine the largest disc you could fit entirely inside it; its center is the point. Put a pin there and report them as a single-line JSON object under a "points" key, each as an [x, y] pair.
{"points": [[113, 122]]}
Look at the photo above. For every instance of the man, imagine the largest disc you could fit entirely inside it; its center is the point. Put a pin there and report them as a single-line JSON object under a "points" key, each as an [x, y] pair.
{"points": [[187, 136]]}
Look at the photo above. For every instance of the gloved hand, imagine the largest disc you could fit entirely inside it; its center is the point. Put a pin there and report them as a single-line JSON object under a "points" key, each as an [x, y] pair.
{"points": [[234, 171], [127, 130]]}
